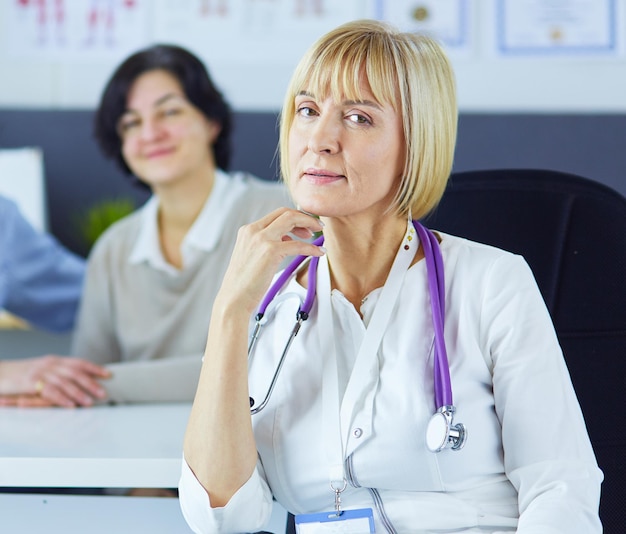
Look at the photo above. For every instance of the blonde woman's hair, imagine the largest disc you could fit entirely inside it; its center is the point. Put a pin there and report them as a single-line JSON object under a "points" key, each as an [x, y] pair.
{"points": [[408, 71]]}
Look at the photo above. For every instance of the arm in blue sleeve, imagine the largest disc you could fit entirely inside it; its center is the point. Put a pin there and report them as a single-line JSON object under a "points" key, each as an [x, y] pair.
{"points": [[40, 281]]}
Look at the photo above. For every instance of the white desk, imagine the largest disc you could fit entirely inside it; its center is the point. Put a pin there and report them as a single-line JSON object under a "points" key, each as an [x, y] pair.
{"points": [[128, 446], [132, 446], [84, 514]]}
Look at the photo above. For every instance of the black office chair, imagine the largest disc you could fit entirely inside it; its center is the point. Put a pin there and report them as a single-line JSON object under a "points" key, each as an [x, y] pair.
{"points": [[572, 232]]}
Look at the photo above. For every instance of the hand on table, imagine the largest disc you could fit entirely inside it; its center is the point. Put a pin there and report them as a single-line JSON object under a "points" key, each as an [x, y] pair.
{"points": [[25, 401], [51, 381]]}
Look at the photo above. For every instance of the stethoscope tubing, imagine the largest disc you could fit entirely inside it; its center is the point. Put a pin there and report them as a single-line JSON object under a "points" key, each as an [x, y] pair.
{"points": [[282, 280], [301, 316], [436, 288], [436, 282], [441, 431]]}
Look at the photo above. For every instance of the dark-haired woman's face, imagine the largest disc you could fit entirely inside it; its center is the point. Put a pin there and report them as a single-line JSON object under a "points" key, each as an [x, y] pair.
{"points": [[165, 139]]}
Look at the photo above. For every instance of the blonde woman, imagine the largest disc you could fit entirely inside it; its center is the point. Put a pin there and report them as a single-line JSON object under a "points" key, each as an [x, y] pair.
{"points": [[354, 431]]}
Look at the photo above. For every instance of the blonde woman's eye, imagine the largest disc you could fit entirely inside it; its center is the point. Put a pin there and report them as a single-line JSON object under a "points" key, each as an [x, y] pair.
{"points": [[305, 111], [359, 119]]}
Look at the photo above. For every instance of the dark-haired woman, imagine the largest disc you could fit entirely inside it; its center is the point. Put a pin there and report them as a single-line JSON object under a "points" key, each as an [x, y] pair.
{"points": [[153, 276]]}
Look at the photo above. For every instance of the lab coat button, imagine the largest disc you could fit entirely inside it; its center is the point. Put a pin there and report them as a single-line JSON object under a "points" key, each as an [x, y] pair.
{"points": [[357, 432]]}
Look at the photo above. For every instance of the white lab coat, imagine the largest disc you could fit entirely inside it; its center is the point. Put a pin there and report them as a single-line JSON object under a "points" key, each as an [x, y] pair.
{"points": [[527, 464]]}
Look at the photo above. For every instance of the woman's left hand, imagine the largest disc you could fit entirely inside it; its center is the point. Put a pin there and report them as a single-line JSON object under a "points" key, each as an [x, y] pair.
{"points": [[25, 401], [58, 380]]}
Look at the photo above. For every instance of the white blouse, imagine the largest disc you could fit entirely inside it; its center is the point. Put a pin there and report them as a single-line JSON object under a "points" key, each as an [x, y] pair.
{"points": [[527, 466]]}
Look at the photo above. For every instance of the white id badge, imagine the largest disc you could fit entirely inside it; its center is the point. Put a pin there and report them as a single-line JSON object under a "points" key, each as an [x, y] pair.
{"points": [[359, 521]]}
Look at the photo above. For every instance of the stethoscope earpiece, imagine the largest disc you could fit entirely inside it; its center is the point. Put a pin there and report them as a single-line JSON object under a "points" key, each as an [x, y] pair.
{"points": [[441, 432]]}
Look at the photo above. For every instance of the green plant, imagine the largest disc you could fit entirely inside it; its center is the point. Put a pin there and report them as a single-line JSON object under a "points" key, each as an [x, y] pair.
{"points": [[96, 219]]}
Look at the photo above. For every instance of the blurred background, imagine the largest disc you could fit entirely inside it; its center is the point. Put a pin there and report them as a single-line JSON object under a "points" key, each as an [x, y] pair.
{"points": [[540, 84]]}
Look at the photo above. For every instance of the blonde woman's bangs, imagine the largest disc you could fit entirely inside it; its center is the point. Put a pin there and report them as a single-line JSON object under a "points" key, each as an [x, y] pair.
{"points": [[343, 69]]}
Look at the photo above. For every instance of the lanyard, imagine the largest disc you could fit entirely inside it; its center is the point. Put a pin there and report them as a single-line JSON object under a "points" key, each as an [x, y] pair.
{"points": [[337, 417]]}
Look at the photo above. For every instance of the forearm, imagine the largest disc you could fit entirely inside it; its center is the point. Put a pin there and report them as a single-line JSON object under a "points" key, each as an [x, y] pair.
{"points": [[43, 280], [219, 442]]}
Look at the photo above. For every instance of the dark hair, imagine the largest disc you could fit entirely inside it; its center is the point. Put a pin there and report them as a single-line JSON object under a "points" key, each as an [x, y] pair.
{"points": [[197, 85]]}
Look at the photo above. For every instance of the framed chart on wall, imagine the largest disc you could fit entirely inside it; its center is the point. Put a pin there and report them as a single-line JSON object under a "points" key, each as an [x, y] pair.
{"points": [[558, 27], [75, 30], [448, 21]]}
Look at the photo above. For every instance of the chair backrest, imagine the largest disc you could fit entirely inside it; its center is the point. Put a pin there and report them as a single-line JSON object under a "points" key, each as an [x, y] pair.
{"points": [[572, 232]]}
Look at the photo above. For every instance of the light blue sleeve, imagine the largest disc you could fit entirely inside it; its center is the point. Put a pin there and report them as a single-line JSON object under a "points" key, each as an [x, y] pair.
{"points": [[40, 281]]}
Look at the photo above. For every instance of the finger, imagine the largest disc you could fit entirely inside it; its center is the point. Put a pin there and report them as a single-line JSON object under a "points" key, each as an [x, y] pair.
{"points": [[297, 223], [90, 368], [54, 392], [32, 401], [72, 382], [283, 221], [24, 401], [303, 233], [56, 398], [8, 400], [258, 253], [66, 363], [293, 247], [92, 387]]}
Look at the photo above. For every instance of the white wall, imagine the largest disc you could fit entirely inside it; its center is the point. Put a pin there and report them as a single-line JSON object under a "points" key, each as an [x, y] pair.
{"points": [[486, 82]]}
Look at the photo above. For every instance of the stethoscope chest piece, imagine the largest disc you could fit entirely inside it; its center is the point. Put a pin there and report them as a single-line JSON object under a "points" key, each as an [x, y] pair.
{"points": [[441, 432]]}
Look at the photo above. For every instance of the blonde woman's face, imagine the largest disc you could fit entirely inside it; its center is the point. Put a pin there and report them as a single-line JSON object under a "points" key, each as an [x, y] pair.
{"points": [[345, 157]]}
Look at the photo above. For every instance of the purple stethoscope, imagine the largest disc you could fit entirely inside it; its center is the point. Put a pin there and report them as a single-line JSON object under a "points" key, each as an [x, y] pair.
{"points": [[441, 431]]}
